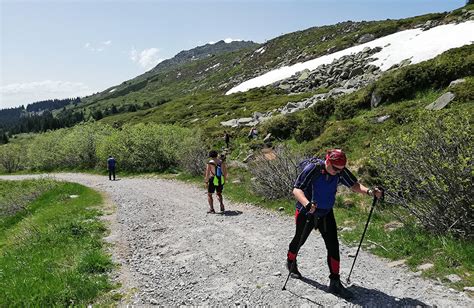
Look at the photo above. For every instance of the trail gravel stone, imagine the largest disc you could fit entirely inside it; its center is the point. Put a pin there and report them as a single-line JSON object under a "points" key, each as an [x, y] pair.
{"points": [[171, 253]]}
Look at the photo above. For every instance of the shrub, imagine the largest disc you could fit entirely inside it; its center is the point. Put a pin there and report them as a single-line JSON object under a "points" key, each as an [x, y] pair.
{"points": [[11, 157], [144, 147], [427, 169], [464, 91], [44, 152], [347, 106], [345, 110], [281, 126], [314, 119], [78, 145], [335, 135], [274, 178], [193, 155], [311, 126], [324, 108]]}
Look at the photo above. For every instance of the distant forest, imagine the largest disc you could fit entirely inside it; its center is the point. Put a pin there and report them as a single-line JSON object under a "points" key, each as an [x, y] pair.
{"points": [[51, 104], [38, 117]]}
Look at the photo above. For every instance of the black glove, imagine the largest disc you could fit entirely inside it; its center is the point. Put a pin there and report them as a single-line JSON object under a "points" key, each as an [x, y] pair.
{"points": [[308, 206]]}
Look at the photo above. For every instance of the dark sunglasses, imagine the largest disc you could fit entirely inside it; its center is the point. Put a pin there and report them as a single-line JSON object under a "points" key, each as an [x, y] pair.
{"points": [[336, 169]]}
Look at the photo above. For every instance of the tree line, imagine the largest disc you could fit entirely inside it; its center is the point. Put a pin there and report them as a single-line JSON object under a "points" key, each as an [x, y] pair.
{"points": [[38, 117]]}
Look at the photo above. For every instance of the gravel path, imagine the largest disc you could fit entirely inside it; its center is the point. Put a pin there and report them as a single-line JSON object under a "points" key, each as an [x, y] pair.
{"points": [[172, 253]]}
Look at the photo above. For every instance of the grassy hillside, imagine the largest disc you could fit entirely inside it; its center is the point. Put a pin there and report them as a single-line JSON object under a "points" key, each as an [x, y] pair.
{"points": [[204, 81]]}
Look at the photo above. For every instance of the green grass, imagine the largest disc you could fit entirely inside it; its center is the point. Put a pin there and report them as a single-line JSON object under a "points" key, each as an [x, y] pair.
{"points": [[52, 251]]}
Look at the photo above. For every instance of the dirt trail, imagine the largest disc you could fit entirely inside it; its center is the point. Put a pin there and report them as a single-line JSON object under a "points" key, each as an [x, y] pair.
{"points": [[172, 253]]}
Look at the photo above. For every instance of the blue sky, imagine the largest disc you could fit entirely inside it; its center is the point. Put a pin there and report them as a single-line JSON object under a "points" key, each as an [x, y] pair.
{"points": [[59, 49]]}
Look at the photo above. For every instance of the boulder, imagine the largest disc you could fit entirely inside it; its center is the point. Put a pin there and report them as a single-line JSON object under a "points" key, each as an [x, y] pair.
{"points": [[425, 267], [441, 102], [453, 278], [356, 71], [382, 118], [231, 123], [375, 99], [267, 138], [456, 82], [244, 121], [366, 38], [304, 75]]}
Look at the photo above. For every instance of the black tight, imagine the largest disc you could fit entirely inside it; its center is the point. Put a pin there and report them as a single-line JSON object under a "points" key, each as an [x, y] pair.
{"points": [[327, 226]]}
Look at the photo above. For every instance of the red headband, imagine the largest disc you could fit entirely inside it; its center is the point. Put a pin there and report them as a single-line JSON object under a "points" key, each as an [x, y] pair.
{"points": [[337, 157]]}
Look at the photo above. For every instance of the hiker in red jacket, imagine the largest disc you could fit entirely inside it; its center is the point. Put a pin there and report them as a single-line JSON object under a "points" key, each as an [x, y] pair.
{"points": [[315, 191]]}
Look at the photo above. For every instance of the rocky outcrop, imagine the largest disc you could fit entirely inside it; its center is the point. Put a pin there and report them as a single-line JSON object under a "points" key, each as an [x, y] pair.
{"points": [[343, 76], [256, 118], [350, 71]]}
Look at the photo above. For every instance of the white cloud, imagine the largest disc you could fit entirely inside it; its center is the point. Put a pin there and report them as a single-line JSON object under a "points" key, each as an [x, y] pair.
{"points": [[147, 58], [227, 40], [16, 94], [100, 47]]}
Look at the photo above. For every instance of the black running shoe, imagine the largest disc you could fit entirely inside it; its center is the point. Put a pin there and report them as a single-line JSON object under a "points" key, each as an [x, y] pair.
{"points": [[336, 288], [294, 271]]}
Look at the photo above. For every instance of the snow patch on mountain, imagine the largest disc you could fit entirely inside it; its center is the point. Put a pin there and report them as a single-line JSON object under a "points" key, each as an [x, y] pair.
{"points": [[414, 44]]}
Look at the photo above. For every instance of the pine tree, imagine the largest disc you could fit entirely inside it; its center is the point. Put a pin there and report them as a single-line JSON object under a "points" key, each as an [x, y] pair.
{"points": [[3, 137]]}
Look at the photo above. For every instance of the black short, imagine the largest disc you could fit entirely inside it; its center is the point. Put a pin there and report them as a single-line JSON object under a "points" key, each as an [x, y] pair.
{"points": [[211, 188]]}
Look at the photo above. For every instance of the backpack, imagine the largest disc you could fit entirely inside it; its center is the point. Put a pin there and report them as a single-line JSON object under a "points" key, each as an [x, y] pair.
{"points": [[217, 174], [306, 162], [218, 170]]}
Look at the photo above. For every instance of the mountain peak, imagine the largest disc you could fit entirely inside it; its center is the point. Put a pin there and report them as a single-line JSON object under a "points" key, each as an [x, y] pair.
{"points": [[204, 51]]}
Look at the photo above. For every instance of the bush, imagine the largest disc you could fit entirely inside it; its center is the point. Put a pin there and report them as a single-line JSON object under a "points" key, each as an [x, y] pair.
{"points": [[11, 157], [427, 169], [274, 178], [281, 126], [335, 135], [348, 105], [193, 155], [311, 126], [44, 151], [78, 145], [464, 91], [144, 147], [314, 119]]}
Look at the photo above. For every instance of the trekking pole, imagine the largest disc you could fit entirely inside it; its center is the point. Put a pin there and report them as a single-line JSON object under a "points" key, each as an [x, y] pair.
{"points": [[362, 238], [306, 224]]}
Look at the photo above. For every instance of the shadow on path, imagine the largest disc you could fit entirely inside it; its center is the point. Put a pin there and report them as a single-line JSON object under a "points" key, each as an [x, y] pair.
{"points": [[367, 297], [315, 284], [231, 213]]}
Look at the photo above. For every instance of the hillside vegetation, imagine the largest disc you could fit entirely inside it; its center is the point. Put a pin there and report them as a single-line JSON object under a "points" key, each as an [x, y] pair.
{"points": [[167, 119]]}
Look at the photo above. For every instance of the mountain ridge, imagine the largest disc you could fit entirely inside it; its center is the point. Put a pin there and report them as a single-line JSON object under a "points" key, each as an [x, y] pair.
{"points": [[210, 70]]}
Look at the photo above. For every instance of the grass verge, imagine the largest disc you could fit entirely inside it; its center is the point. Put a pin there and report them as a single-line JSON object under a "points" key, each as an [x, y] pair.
{"points": [[52, 250]]}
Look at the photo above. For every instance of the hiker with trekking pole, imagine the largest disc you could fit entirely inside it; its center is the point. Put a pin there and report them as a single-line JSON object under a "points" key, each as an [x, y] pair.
{"points": [[315, 191]]}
